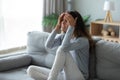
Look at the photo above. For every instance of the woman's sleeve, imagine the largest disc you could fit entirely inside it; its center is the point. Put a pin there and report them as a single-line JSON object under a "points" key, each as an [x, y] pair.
{"points": [[76, 44], [52, 41], [68, 35]]}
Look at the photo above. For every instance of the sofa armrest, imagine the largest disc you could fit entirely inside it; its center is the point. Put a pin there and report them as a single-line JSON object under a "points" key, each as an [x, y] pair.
{"points": [[14, 61]]}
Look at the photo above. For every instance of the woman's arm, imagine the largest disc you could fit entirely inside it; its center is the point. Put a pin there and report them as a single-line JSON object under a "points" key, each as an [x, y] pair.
{"points": [[71, 25], [68, 36], [76, 43], [53, 41]]}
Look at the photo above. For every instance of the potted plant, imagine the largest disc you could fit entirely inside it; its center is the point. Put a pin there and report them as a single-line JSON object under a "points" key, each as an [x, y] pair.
{"points": [[50, 21], [85, 19]]}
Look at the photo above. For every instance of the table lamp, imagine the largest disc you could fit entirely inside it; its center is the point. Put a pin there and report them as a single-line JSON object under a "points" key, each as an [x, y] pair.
{"points": [[108, 6]]}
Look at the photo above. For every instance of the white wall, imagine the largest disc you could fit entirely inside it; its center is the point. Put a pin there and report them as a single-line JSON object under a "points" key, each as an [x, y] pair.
{"points": [[95, 8]]}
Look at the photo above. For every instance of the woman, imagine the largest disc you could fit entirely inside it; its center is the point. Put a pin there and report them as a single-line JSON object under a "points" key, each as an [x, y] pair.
{"points": [[73, 44]]}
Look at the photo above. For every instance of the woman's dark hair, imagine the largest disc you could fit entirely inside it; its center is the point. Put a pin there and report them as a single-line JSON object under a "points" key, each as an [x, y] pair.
{"points": [[80, 28]]}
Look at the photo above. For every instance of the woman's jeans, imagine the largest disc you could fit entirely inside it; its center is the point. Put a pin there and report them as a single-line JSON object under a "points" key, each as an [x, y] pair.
{"points": [[64, 68]]}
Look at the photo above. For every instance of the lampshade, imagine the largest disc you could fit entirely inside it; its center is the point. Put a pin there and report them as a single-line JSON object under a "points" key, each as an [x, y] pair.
{"points": [[108, 5], [69, 5], [69, 0]]}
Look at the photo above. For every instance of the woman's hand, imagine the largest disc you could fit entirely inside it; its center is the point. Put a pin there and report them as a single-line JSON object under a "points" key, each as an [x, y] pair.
{"points": [[58, 26], [71, 21]]}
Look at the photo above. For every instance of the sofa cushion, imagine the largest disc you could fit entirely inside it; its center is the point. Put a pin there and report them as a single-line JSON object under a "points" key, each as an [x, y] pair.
{"points": [[15, 61], [36, 49], [36, 41], [15, 74], [108, 60], [42, 59]]}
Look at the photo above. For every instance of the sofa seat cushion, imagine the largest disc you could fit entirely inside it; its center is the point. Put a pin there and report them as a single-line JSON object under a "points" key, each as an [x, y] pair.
{"points": [[15, 74], [14, 61], [108, 60], [42, 59]]}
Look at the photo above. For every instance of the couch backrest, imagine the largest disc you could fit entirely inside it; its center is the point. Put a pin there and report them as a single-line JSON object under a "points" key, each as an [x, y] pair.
{"points": [[36, 49], [108, 60]]}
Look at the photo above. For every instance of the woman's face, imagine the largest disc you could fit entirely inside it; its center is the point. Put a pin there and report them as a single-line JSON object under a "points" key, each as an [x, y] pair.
{"points": [[64, 25]]}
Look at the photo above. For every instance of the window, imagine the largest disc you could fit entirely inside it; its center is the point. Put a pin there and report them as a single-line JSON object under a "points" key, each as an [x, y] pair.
{"points": [[17, 18]]}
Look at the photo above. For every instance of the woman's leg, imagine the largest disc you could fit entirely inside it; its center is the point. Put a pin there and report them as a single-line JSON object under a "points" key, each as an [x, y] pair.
{"points": [[38, 73], [58, 65], [71, 69], [64, 60]]}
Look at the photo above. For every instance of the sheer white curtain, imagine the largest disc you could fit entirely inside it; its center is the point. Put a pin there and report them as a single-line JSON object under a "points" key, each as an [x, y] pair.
{"points": [[17, 18], [2, 31]]}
